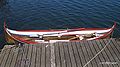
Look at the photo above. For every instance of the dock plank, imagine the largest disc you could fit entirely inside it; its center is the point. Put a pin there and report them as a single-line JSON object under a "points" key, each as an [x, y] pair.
{"points": [[24, 58], [67, 55], [3, 63], [43, 53], [95, 50], [38, 56], [3, 53], [80, 52], [8, 62], [19, 57], [77, 58], [93, 53], [101, 55], [62, 55], [29, 55], [112, 53], [50, 60], [104, 52], [57, 55], [117, 47], [111, 59], [72, 56], [115, 52], [87, 53], [15, 55], [33, 56]]}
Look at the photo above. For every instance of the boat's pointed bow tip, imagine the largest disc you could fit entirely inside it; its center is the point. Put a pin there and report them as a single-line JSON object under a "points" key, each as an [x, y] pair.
{"points": [[115, 23], [4, 24]]}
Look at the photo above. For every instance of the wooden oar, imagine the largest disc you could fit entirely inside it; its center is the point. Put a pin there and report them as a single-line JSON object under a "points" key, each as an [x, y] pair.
{"points": [[73, 38]]}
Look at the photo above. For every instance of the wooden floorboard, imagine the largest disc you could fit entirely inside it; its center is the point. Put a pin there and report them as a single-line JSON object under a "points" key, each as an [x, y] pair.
{"points": [[38, 55], [8, 62], [72, 55], [92, 52], [112, 53], [102, 56], [87, 53], [3, 53], [33, 56], [107, 52], [43, 55], [24, 57], [80, 53], [4, 60], [57, 55], [50, 59], [116, 51], [77, 58], [29, 55], [64, 54], [13, 61], [67, 55]]}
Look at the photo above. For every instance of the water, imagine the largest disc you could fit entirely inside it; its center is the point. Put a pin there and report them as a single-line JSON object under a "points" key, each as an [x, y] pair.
{"points": [[51, 14]]}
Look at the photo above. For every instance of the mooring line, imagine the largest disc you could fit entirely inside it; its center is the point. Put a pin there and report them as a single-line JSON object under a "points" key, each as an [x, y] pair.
{"points": [[98, 53]]}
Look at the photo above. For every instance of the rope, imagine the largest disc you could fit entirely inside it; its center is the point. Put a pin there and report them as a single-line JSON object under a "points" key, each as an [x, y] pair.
{"points": [[98, 52]]}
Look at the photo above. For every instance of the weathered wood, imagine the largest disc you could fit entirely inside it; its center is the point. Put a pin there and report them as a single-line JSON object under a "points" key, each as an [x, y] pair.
{"points": [[38, 55], [64, 54], [101, 55], [67, 55], [92, 53], [43, 55], [87, 53], [116, 45], [15, 51], [115, 52], [3, 53], [29, 55], [50, 55], [108, 52], [3, 63], [72, 56], [77, 58], [24, 58], [104, 52], [8, 62], [95, 50], [57, 55], [33, 56], [80, 52]]}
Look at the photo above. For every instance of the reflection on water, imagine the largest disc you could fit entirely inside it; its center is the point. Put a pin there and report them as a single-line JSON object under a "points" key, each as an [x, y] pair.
{"points": [[49, 14]]}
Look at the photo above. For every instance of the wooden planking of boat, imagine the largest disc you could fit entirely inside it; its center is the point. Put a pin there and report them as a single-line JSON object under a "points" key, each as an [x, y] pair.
{"points": [[51, 36]]}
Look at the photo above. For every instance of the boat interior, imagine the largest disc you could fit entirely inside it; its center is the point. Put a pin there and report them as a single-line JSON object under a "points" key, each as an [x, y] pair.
{"points": [[47, 38]]}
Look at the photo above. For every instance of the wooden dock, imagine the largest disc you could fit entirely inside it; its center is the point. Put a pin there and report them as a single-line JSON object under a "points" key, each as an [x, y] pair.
{"points": [[96, 53]]}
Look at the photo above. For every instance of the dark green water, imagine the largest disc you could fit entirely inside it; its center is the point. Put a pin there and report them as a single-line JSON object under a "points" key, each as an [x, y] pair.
{"points": [[51, 14]]}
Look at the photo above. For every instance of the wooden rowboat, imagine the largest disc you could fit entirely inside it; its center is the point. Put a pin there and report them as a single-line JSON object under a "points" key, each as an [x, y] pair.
{"points": [[51, 36]]}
